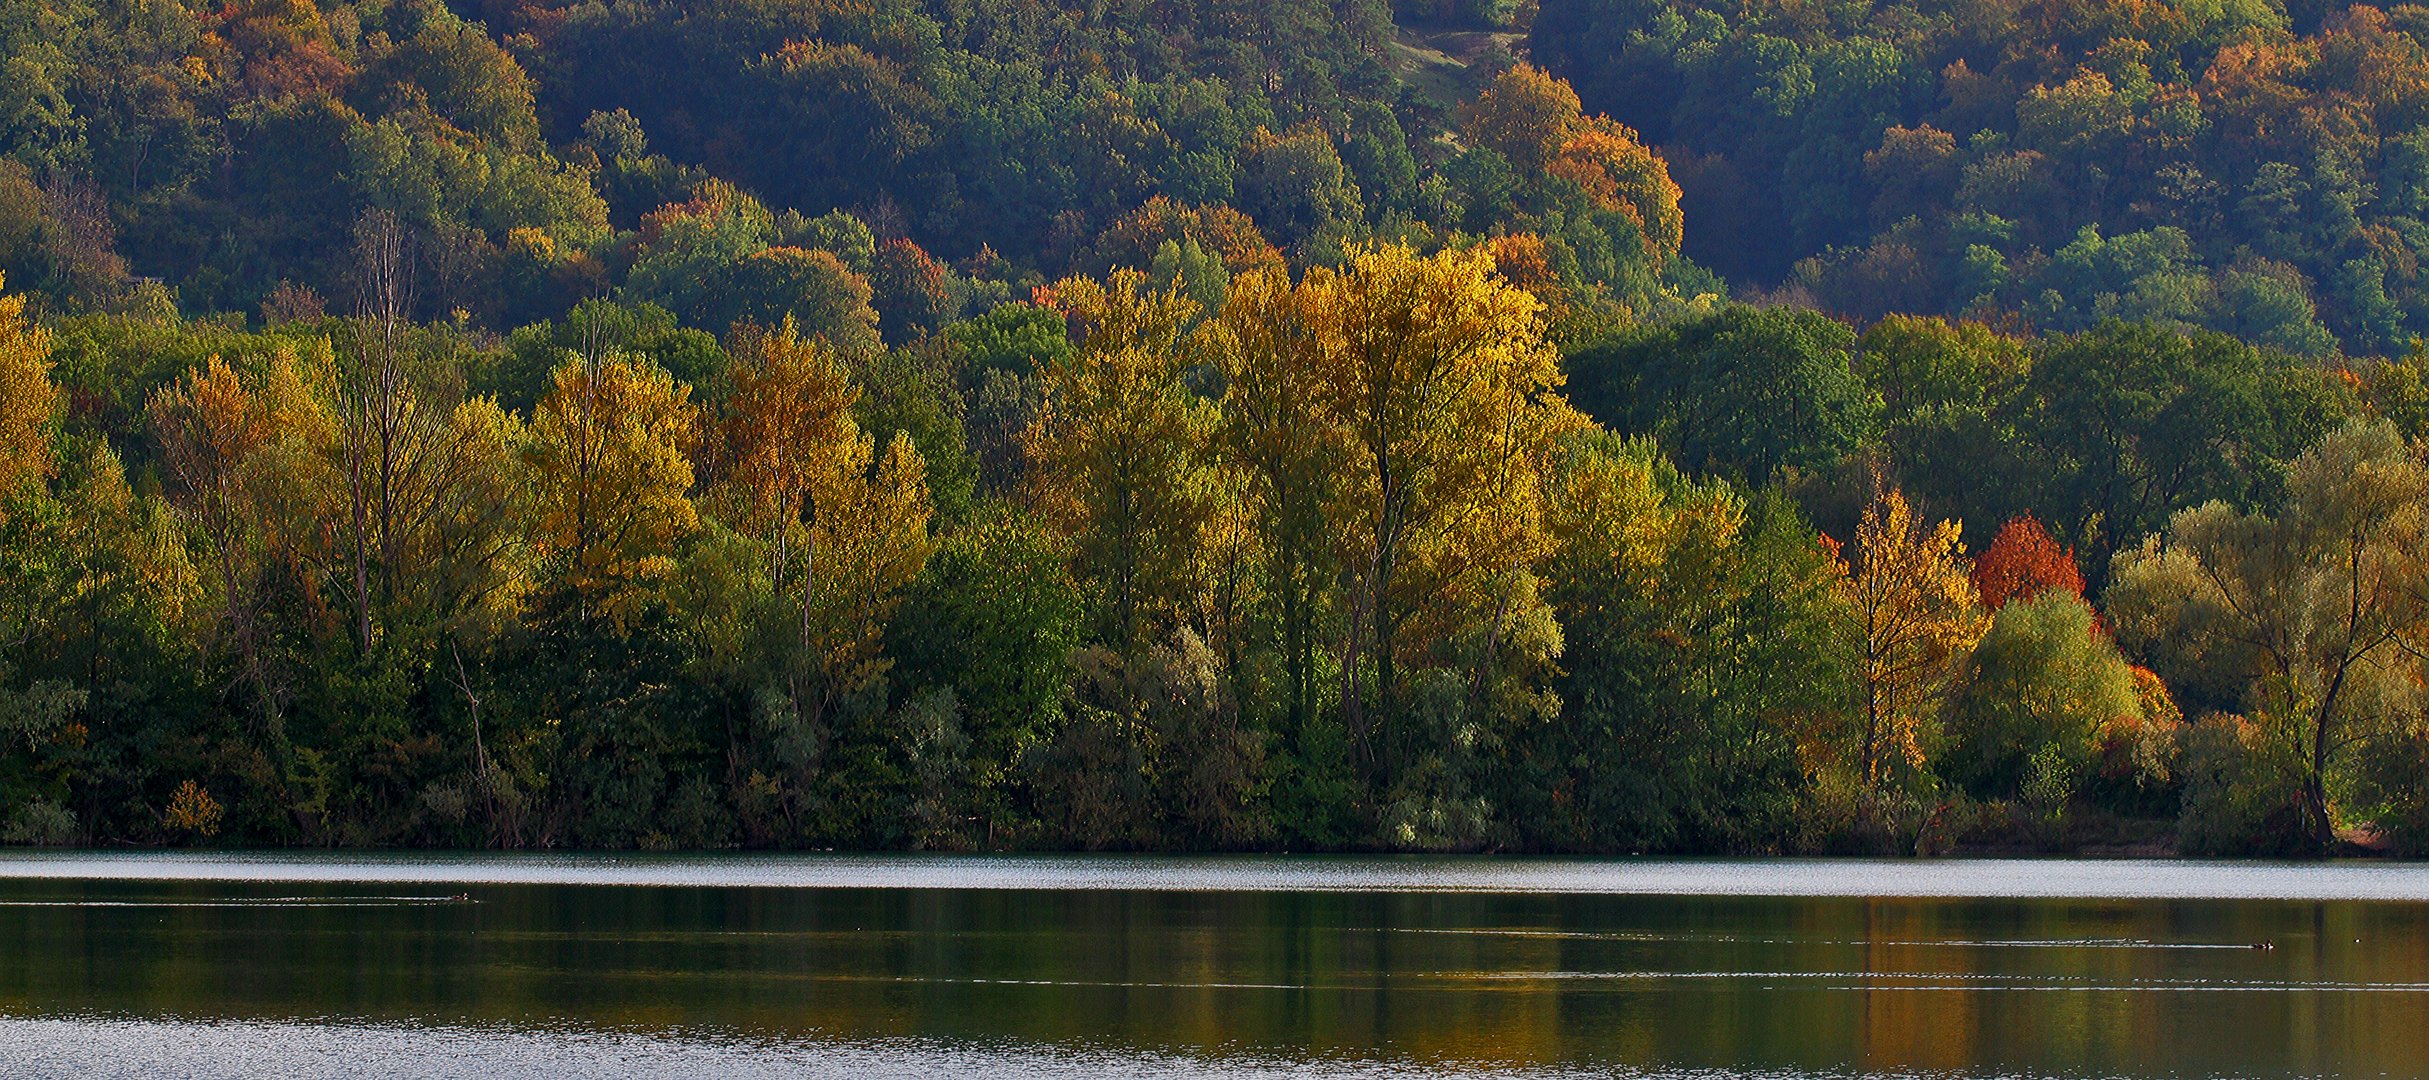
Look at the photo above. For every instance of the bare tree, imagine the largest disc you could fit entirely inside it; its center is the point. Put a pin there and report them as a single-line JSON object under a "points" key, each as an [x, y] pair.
{"points": [[385, 435], [81, 239]]}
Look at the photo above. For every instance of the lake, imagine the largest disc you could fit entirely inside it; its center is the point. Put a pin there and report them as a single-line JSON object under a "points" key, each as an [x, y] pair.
{"points": [[207, 965]]}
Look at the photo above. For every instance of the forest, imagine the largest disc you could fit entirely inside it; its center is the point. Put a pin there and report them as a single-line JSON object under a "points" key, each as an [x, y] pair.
{"points": [[1612, 426]]}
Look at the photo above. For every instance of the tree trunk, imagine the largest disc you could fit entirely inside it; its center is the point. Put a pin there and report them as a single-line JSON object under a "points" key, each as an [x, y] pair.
{"points": [[2315, 787]]}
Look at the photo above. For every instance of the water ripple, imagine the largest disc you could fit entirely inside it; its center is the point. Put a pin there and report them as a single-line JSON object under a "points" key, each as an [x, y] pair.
{"points": [[108, 1047]]}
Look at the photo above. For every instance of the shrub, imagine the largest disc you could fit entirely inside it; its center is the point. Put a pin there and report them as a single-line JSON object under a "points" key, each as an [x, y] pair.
{"points": [[1844, 816], [2394, 780], [41, 822], [2049, 782], [192, 812], [2137, 772], [2242, 791], [2044, 680]]}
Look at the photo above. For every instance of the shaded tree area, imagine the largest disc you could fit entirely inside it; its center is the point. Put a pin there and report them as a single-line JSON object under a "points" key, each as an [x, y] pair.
{"points": [[2243, 168]]}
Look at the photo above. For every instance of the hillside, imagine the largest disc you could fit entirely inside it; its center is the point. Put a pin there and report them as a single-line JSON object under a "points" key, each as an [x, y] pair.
{"points": [[1265, 424], [2254, 168]]}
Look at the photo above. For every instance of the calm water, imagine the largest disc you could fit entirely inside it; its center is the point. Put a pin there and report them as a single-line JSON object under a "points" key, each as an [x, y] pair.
{"points": [[209, 966]]}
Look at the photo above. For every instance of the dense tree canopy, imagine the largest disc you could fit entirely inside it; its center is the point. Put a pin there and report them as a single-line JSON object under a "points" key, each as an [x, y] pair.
{"points": [[2250, 168], [1244, 424]]}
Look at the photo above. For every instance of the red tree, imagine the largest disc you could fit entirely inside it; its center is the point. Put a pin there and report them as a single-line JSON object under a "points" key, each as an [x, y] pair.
{"points": [[2023, 562]]}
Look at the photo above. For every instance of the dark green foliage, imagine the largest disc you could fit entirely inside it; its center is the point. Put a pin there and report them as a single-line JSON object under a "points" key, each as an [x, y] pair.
{"points": [[1745, 393], [2242, 791], [2134, 422], [2193, 167], [913, 392], [995, 617], [2395, 777], [1700, 647], [520, 375]]}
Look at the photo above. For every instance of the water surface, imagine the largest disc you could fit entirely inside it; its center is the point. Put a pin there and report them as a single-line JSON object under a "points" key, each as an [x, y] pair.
{"points": [[237, 965]]}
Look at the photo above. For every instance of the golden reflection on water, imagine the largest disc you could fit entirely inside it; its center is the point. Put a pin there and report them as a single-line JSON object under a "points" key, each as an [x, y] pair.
{"points": [[1781, 985]]}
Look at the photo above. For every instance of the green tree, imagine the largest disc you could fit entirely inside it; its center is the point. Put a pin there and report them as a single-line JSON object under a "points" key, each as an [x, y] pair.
{"points": [[1297, 189], [1702, 643], [2314, 608], [1747, 392], [994, 618], [2135, 422], [2043, 677]]}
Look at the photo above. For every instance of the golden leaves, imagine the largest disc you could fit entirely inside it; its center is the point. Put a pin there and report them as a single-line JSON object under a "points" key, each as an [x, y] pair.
{"points": [[192, 812], [611, 446], [845, 525], [1526, 115], [1535, 120], [784, 428], [1119, 449], [1914, 602], [1418, 395], [28, 401], [1623, 175], [871, 538]]}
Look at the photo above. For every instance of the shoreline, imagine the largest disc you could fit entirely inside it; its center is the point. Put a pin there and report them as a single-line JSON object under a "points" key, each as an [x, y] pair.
{"points": [[1781, 877]]}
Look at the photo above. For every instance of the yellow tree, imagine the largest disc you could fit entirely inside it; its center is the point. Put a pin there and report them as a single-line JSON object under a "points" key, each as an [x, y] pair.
{"points": [[1915, 606], [293, 479], [464, 554], [28, 402], [1488, 550], [469, 567], [609, 451], [871, 535], [1623, 175], [429, 488], [98, 554], [28, 407], [1535, 120], [1275, 430], [1526, 115], [427, 492], [846, 527], [785, 430], [208, 425], [1118, 450], [242, 457], [1438, 375]]}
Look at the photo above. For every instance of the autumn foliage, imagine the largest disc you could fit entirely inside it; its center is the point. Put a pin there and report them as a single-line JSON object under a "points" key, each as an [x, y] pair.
{"points": [[677, 468], [1905, 580], [1132, 239], [2023, 561], [27, 401], [1536, 121]]}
